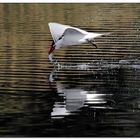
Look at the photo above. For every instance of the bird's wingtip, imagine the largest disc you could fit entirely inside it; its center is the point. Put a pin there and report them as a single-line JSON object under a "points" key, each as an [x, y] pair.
{"points": [[49, 23], [52, 23]]}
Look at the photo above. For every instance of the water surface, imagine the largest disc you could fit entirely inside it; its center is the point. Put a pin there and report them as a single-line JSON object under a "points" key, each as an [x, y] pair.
{"points": [[90, 92]]}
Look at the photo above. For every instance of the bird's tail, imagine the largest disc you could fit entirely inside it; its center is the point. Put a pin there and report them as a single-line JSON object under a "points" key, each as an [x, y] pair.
{"points": [[95, 35], [104, 34]]}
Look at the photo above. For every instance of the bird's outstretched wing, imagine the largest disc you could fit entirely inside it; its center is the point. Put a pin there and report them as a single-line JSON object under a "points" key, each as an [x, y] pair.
{"points": [[72, 36], [57, 30]]}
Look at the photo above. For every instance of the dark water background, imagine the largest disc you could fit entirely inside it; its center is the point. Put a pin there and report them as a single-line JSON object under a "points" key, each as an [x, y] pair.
{"points": [[92, 92]]}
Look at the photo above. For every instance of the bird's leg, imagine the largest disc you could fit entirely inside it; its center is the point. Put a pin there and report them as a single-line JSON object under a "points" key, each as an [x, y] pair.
{"points": [[92, 42]]}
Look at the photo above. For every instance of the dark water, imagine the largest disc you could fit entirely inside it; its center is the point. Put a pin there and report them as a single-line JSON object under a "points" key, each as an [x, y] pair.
{"points": [[90, 93]]}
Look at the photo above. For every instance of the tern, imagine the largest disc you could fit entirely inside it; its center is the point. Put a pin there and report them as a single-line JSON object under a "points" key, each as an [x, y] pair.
{"points": [[65, 35]]}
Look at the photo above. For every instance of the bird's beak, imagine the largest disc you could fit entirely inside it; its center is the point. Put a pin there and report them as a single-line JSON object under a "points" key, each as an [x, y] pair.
{"points": [[51, 49]]}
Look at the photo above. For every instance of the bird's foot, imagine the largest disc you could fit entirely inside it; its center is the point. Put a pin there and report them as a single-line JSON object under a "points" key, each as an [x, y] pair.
{"points": [[94, 45]]}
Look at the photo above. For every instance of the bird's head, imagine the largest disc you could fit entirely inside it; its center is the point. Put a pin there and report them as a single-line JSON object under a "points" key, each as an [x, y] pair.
{"points": [[55, 45]]}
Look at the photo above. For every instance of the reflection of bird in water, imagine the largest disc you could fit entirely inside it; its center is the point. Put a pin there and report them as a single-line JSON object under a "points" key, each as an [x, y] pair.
{"points": [[76, 98], [64, 35]]}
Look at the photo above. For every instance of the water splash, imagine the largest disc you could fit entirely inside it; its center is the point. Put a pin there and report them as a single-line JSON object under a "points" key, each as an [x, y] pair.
{"points": [[51, 57], [75, 98], [100, 65]]}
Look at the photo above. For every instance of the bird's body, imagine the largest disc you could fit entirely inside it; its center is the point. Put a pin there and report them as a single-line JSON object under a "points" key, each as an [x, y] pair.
{"points": [[64, 35]]}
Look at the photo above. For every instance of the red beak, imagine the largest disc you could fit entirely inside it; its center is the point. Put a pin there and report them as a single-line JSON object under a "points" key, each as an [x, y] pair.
{"points": [[51, 49]]}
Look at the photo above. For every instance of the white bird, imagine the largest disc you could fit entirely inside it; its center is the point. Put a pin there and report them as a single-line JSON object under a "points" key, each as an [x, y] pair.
{"points": [[64, 35]]}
